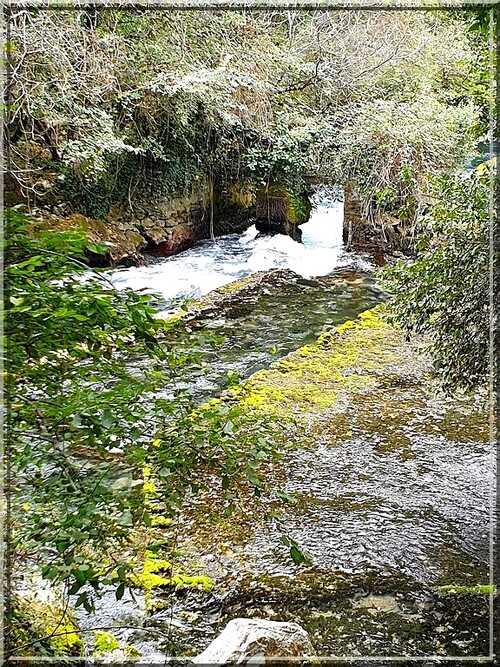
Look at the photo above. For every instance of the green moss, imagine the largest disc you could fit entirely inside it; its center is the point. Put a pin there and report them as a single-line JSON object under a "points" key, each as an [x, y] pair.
{"points": [[150, 578], [242, 194], [160, 522], [169, 322], [278, 202], [105, 642], [218, 295], [65, 643], [150, 490], [299, 209], [466, 590], [234, 286], [36, 621], [312, 378], [157, 573]]}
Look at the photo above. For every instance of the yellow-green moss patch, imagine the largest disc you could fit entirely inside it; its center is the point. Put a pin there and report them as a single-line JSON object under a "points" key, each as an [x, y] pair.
{"points": [[160, 522], [311, 379], [105, 642], [466, 590], [242, 194], [157, 573], [49, 624]]}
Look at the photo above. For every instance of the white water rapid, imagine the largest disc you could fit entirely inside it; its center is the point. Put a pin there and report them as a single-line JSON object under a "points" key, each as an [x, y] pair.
{"points": [[211, 264]]}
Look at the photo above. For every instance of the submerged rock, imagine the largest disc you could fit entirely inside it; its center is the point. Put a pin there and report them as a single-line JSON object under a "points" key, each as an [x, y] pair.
{"points": [[254, 641]]}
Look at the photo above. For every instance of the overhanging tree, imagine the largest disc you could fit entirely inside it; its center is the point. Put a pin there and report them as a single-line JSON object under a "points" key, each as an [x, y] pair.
{"points": [[444, 293]]}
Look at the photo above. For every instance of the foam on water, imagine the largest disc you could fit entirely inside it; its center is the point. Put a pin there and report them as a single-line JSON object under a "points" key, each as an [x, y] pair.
{"points": [[212, 264]]}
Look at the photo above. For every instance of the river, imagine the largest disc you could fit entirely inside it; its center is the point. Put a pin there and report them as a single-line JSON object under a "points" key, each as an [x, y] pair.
{"points": [[212, 264], [391, 495], [308, 287]]}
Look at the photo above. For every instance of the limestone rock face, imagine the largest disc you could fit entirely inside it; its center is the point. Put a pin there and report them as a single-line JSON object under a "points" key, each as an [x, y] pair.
{"points": [[124, 245], [383, 234], [247, 641], [155, 235], [173, 240], [278, 212]]}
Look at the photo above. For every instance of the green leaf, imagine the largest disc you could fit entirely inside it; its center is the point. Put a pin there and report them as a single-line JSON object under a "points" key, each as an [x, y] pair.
{"points": [[120, 591], [75, 588], [107, 419], [80, 576], [228, 427], [287, 497], [297, 555], [126, 519], [81, 600], [252, 477]]}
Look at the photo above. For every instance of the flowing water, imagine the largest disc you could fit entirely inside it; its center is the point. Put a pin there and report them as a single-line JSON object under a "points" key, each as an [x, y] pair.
{"points": [[211, 264], [391, 497], [279, 315], [309, 287]]}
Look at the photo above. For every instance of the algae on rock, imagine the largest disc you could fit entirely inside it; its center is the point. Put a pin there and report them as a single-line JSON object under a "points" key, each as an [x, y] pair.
{"points": [[45, 628], [312, 378]]}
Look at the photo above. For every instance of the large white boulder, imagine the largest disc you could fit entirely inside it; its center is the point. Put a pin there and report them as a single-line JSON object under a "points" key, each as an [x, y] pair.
{"points": [[254, 641]]}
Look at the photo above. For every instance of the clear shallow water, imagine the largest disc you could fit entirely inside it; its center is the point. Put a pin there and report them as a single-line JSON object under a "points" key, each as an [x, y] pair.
{"points": [[212, 264], [280, 315], [387, 507], [391, 500], [361, 508]]}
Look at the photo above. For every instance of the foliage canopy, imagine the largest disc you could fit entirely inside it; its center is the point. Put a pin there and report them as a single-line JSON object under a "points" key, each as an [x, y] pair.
{"points": [[165, 101], [444, 292]]}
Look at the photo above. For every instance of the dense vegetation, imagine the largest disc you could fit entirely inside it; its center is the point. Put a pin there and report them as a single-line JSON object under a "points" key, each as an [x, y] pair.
{"points": [[444, 292], [107, 106], [447, 292], [76, 399]]}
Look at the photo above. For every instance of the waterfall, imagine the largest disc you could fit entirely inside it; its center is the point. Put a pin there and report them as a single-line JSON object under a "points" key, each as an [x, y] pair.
{"points": [[209, 265]]}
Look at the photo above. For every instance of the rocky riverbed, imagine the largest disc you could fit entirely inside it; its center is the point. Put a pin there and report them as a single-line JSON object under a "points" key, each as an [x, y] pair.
{"points": [[373, 530]]}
